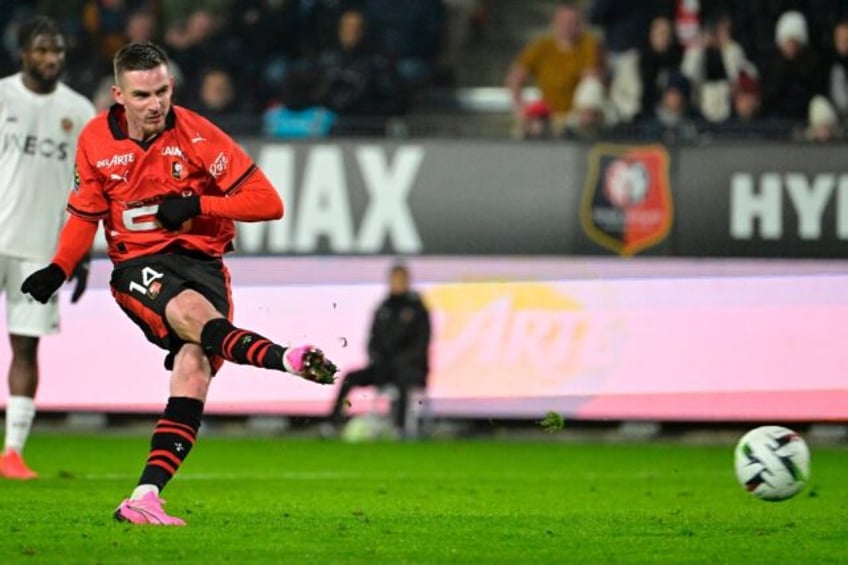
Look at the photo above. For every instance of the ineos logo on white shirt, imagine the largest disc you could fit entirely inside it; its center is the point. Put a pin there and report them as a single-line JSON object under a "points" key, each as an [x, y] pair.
{"points": [[32, 145]]}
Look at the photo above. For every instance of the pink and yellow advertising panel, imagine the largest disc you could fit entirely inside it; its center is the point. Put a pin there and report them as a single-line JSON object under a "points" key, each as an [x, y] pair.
{"points": [[590, 339]]}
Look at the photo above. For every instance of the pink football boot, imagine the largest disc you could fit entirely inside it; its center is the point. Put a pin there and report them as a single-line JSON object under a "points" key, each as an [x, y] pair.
{"points": [[146, 510]]}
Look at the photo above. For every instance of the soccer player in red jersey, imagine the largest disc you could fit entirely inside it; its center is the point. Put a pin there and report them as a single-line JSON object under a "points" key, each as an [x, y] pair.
{"points": [[168, 185]]}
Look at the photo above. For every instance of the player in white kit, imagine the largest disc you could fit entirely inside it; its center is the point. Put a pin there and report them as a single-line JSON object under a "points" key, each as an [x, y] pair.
{"points": [[40, 120]]}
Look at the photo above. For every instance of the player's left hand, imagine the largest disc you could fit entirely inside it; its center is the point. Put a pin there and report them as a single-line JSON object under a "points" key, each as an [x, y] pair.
{"points": [[80, 275], [174, 210]]}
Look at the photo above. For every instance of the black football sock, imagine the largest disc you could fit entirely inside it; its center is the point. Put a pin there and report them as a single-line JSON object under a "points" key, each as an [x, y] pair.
{"points": [[220, 337], [173, 438]]}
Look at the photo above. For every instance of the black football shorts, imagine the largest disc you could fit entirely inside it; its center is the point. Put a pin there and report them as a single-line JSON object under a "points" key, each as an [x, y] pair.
{"points": [[143, 287]]}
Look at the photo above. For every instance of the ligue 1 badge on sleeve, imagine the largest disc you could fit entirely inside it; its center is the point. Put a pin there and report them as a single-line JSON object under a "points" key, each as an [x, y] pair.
{"points": [[627, 205]]}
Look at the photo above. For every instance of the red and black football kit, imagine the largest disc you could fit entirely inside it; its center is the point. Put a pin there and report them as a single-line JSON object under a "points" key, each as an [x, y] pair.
{"points": [[122, 181], [168, 205]]}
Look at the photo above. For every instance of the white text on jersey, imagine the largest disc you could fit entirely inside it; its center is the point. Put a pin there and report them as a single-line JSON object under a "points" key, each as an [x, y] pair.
{"points": [[172, 151], [115, 160], [32, 145], [217, 168]]}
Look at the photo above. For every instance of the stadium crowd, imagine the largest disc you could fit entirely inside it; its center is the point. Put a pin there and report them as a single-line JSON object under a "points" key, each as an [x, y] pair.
{"points": [[357, 57], [673, 70], [686, 69]]}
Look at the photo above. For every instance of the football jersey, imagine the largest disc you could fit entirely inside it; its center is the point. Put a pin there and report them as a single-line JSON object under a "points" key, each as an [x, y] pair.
{"points": [[121, 182], [38, 139]]}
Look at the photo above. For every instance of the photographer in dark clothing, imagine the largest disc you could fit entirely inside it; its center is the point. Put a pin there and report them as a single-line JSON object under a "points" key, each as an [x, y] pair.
{"points": [[398, 348]]}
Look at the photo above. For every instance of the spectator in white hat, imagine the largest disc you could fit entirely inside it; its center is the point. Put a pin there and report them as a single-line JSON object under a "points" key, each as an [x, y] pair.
{"points": [[591, 112], [796, 73], [822, 123]]}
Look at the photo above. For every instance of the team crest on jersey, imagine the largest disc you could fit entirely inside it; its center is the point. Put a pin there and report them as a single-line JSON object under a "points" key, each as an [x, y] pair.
{"points": [[154, 289], [67, 124], [177, 170], [627, 204]]}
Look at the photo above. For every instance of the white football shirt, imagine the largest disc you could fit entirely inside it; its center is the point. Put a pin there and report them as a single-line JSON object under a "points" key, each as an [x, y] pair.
{"points": [[38, 142]]}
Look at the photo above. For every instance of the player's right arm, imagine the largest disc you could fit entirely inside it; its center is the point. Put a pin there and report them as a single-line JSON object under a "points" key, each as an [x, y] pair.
{"points": [[87, 205], [74, 242]]}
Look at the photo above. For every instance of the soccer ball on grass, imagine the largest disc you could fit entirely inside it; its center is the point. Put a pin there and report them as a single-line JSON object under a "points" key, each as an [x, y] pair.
{"points": [[368, 427], [772, 463]]}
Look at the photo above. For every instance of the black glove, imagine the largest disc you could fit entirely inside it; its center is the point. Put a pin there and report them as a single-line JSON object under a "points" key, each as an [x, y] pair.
{"points": [[44, 283], [80, 275], [174, 210]]}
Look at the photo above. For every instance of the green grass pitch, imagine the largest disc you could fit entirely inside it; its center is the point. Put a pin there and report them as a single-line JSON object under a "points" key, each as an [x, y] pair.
{"points": [[307, 501]]}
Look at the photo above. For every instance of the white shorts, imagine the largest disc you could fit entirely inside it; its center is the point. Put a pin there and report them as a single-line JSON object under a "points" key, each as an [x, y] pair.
{"points": [[25, 316]]}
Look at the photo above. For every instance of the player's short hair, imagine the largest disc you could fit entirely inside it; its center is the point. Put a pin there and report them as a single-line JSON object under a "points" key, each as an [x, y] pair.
{"points": [[138, 57], [39, 25]]}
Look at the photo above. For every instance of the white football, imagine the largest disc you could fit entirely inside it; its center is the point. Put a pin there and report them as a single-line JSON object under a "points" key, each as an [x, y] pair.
{"points": [[367, 427], [772, 463]]}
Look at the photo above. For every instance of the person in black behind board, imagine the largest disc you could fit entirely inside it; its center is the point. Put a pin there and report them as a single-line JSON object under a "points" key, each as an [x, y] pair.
{"points": [[398, 348]]}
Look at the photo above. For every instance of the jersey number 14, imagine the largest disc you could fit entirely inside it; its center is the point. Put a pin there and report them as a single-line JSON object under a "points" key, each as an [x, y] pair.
{"points": [[148, 276]]}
